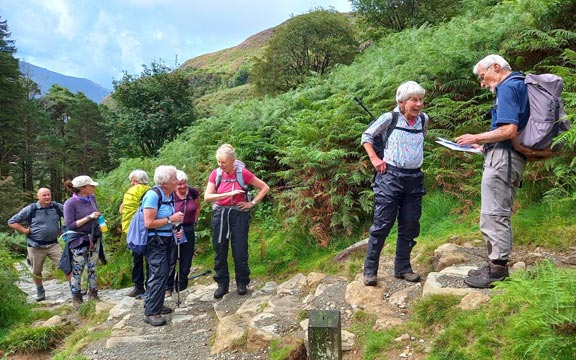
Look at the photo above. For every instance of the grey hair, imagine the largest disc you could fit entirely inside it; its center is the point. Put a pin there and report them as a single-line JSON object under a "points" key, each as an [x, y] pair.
{"points": [[491, 60], [407, 90], [226, 151], [164, 173], [140, 176], [181, 175]]}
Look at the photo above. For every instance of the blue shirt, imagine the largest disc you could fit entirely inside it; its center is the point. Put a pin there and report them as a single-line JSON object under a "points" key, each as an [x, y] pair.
{"points": [[150, 201], [44, 226], [404, 149], [511, 104]]}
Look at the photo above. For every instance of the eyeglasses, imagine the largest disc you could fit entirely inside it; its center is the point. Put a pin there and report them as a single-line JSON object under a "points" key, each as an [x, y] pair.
{"points": [[481, 76]]}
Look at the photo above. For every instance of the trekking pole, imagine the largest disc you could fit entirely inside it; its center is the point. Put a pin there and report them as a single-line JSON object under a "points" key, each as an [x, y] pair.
{"points": [[364, 107], [178, 276], [199, 275]]}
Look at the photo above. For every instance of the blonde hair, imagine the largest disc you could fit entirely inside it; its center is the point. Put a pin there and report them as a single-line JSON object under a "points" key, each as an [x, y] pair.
{"points": [[226, 151]]}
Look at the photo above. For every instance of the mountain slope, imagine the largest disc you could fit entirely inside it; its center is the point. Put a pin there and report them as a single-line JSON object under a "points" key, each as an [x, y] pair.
{"points": [[231, 59], [46, 78]]}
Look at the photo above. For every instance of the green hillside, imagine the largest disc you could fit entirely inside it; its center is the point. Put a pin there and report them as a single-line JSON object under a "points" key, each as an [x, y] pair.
{"points": [[306, 145]]}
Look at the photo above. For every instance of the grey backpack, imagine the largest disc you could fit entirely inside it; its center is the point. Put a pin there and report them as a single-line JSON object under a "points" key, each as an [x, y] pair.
{"points": [[547, 117]]}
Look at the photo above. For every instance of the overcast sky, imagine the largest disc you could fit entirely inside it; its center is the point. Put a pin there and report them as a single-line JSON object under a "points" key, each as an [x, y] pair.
{"points": [[99, 39]]}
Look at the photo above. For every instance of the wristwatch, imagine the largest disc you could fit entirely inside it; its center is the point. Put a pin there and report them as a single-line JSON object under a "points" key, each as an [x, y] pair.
{"points": [[169, 221], [253, 202]]}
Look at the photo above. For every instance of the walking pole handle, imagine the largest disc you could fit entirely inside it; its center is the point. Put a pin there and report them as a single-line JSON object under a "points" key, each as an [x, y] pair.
{"points": [[364, 107]]}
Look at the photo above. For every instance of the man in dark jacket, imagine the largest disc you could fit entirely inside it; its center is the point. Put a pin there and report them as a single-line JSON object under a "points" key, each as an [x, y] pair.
{"points": [[42, 228]]}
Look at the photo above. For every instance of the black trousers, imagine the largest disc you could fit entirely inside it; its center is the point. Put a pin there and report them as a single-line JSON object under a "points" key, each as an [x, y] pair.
{"points": [[138, 274], [230, 227], [157, 252], [186, 255], [397, 195]]}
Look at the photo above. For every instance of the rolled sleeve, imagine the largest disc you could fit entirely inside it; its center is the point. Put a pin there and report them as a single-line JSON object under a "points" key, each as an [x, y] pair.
{"points": [[376, 128]]}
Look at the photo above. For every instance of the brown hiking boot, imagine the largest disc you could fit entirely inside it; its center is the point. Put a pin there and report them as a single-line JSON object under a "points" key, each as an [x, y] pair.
{"points": [[409, 276], [77, 300], [485, 280], [478, 272], [370, 280], [93, 295], [155, 320]]}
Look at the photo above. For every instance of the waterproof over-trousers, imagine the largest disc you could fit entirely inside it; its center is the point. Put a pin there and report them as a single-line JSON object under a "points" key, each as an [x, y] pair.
{"points": [[157, 252], [397, 194], [230, 226]]}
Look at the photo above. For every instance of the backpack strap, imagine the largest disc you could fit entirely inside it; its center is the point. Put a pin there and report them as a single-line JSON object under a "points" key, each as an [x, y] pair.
{"points": [[393, 127], [53, 205], [239, 177]]}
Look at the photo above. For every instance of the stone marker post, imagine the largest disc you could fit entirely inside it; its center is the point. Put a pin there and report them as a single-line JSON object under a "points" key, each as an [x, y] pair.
{"points": [[324, 335]]}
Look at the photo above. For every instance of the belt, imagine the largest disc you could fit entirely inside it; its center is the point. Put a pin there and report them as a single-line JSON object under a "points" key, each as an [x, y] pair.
{"points": [[402, 170]]}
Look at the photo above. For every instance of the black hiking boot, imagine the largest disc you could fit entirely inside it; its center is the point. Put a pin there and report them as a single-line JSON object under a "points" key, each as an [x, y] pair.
{"points": [[242, 289], [221, 291], [135, 292], [485, 280]]}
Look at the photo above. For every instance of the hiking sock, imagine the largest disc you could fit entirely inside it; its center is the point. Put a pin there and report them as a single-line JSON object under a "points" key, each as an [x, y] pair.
{"points": [[500, 262]]}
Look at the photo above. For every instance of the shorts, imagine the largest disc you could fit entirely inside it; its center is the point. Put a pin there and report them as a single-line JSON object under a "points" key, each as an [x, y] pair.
{"points": [[37, 256]]}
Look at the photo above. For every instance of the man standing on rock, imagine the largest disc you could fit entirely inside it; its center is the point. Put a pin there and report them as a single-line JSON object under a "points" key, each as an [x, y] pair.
{"points": [[42, 220], [399, 182], [503, 166]]}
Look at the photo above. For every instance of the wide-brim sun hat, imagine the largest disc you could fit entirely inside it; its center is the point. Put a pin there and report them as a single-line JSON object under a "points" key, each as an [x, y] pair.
{"points": [[83, 180]]}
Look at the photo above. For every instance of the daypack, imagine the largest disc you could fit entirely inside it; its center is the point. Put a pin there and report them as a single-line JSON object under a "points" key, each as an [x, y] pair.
{"points": [[53, 205], [239, 178], [34, 209], [547, 117], [137, 236], [381, 142]]}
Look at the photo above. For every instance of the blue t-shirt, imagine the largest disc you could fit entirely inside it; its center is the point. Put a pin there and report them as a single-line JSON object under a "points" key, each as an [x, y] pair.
{"points": [[511, 103], [150, 201]]}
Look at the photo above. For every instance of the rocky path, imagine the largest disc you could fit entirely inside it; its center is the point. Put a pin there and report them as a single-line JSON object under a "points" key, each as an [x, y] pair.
{"points": [[241, 327]]}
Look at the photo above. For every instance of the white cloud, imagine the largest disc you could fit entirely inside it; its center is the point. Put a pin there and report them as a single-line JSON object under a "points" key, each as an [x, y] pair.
{"points": [[99, 40]]}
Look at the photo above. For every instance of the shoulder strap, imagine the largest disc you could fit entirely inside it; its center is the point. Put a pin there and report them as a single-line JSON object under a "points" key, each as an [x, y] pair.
{"points": [[218, 177], [34, 208], [160, 202], [32, 213], [239, 176], [390, 128], [57, 208]]}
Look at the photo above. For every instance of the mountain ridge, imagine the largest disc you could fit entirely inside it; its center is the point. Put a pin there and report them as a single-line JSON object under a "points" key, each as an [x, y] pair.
{"points": [[45, 78]]}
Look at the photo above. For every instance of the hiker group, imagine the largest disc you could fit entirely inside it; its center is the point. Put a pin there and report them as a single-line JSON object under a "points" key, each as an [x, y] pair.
{"points": [[162, 253], [159, 222]]}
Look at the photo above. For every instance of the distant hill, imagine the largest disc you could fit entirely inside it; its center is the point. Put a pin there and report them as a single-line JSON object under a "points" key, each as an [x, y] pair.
{"points": [[231, 59], [46, 78]]}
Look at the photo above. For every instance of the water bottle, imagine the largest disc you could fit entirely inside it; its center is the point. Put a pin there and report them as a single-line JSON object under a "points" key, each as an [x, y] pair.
{"points": [[102, 223]]}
